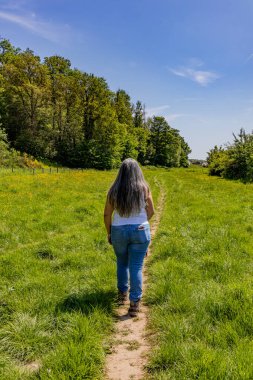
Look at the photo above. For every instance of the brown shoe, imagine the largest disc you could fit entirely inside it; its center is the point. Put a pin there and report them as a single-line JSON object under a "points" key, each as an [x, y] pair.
{"points": [[134, 308], [122, 297]]}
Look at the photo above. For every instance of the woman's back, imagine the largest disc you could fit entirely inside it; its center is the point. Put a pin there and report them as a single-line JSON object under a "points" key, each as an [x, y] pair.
{"points": [[130, 203], [134, 218]]}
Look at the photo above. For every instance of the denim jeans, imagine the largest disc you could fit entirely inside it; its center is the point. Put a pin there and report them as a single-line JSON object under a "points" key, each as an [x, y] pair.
{"points": [[130, 243]]}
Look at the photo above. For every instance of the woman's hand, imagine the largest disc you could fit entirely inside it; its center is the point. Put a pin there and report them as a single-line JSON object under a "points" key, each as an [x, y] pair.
{"points": [[149, 206], [108, 219], [109, 239]]}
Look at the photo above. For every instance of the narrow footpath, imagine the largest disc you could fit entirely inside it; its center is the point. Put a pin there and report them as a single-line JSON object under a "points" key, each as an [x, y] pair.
{"points": [[130, 346]]}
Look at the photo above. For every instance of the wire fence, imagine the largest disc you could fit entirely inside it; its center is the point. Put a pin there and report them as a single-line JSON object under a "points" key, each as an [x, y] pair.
{"points": [[34, 171]]}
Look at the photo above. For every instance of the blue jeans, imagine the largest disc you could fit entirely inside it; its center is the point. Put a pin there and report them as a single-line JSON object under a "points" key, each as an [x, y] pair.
{"points": [[130, 243]]}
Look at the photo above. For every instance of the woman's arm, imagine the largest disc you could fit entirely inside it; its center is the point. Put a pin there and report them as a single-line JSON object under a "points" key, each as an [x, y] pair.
{"points": [[149, 205], [108, 219]]}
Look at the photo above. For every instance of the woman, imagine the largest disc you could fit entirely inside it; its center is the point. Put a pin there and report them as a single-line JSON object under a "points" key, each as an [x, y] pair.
{"points": [[130, 199]]}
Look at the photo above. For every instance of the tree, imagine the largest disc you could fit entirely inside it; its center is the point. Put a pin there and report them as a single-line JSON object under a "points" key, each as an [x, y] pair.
{"points": [[235, 161], [141, 130], [26, 87], [50, 110], [7, 50], [164, 143], [240, 155], [123, 108]]}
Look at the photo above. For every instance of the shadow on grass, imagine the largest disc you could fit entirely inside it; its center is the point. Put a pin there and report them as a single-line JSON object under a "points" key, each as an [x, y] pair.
{"points": [[87, 302]]}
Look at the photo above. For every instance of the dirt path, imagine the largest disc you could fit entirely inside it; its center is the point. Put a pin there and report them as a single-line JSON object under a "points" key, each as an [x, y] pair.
{"points": [[130, 344]]}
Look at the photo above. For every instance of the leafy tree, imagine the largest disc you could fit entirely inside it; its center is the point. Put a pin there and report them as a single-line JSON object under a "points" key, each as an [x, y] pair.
{"points": [[7, 50], [217, 160], [240, 154], [139, 115], [123, 108], [141, 131], [50, 110], [26, 87], [235, 161], [165, 143]]}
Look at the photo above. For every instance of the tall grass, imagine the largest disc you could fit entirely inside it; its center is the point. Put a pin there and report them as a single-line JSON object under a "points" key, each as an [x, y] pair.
{"points": [[57, 275], [200, 285]]}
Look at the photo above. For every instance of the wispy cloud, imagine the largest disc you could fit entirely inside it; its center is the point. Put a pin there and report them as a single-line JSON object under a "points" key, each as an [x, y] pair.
{"points": [[249, 58], [172, 117], [187, 116], [132, 64], [156, 110], [52, 32], [13, 4], [192, 72]]}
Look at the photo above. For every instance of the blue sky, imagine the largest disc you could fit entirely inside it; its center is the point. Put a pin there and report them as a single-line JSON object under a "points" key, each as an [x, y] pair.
{"points": [[190, 61]]}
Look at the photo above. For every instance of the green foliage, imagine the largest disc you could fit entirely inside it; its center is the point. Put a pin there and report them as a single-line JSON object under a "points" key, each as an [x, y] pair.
{"points": [[217, 161], [11, 157], [166, 146], [4, 148], [234, 162], [62, 114]]}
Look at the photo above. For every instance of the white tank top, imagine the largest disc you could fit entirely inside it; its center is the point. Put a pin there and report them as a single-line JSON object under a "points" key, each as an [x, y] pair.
{"points": [[140, 218]]}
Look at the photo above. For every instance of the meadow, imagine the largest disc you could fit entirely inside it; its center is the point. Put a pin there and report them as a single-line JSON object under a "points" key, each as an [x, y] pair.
{"points": [[57, 277], [201, 280]]}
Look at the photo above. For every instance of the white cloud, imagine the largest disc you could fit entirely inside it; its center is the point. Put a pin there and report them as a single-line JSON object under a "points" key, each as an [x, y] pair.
{"points": [[170, 118], [14, 4], [156, 110], [132, 64], [54, 33], [249, 58], [192, 72]]}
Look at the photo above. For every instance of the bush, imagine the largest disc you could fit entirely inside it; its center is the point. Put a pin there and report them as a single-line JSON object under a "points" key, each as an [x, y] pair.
{"points": [[11, 157], [234, 161]]}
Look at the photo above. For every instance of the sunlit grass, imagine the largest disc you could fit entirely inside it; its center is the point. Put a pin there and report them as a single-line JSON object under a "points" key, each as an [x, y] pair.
{"points": [[58, 286], [57, 275], [200, 284]]}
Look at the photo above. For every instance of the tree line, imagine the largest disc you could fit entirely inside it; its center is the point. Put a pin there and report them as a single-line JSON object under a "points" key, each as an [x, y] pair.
{"points": [[235, 160], [53, 111]]}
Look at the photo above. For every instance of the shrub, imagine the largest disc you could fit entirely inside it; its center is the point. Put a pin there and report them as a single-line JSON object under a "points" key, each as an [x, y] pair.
{"points": [[11, 157], [235, 161]]}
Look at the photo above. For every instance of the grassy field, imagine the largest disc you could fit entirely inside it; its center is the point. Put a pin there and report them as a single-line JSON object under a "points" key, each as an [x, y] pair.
{"points": [[201, 280], [57, 277]]}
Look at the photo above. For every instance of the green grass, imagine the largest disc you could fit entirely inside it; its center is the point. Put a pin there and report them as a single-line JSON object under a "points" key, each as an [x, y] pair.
{"points": [[201, 280], [58, 278], [57, 275]]}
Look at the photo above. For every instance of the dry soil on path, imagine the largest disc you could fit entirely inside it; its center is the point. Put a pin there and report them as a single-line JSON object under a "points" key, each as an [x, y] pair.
{"points": [[130, 347]]}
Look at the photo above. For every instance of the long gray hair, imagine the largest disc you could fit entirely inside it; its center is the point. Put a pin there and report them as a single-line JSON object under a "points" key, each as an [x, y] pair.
{"points": [[129, 189]]}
